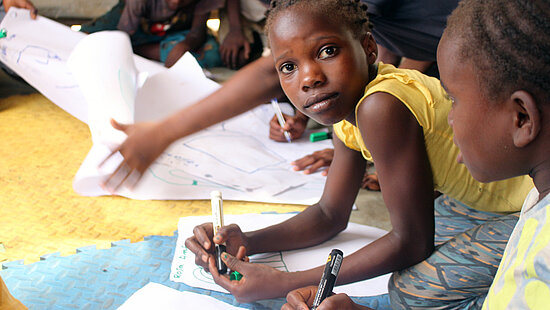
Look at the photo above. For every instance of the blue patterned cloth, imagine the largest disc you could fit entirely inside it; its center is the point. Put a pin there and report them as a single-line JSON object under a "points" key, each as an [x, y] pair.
{"points": [[458, 274]]}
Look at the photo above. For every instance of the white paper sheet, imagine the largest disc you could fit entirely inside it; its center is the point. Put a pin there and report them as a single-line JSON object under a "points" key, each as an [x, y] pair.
{"points": [[350, 240], [158, 296], [236, 155]]}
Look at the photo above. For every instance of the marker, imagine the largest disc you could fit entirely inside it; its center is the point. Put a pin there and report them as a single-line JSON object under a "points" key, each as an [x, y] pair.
{"points": [[235, 276], [320, 136], [280, 117], [217, 223], [328, 279]]}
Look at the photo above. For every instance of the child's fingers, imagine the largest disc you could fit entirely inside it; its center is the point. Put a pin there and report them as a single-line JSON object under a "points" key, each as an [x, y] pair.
{"points": [[118, 126], [202, 235], [233, 263], [122, 172], [221, 280], [241, 253], [315, 166], [201, 255]]}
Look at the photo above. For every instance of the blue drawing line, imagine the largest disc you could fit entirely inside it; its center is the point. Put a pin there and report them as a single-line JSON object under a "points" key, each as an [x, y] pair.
{"points": [[50, 55]]}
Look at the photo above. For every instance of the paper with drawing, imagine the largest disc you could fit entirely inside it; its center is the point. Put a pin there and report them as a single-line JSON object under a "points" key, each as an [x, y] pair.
{"points": [[235, 155], [350, 240]]}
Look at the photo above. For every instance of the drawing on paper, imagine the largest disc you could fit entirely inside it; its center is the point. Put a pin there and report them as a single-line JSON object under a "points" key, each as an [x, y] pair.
{"points": [[274, 260]]}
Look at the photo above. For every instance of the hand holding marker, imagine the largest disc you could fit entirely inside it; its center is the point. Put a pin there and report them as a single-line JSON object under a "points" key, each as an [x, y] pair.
{"points": [[217, 223], [280, 117], [328, 279]]}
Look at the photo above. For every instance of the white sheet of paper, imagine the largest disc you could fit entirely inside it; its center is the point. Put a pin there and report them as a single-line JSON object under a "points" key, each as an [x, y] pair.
{"points": [[236, 156], [158, 296], [350, 240]]}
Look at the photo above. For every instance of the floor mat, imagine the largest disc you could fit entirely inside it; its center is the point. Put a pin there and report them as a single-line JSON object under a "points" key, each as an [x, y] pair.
{"points": [[104, 279], [41, 148]]}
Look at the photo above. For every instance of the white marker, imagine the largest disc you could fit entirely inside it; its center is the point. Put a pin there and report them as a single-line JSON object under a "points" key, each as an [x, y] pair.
{"points": [[280, 117], [217, 223]]}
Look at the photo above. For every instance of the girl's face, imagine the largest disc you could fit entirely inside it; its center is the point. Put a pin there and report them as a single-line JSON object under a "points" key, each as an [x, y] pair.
{"points": [[480, 127], [322, 68]]}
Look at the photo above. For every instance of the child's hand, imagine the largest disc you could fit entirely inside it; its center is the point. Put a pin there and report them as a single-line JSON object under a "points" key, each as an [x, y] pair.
{"points": [[175, 54], [258, 282], [313, 162], [302, 299], [294, 125], [201, 242], [145, 142], [235, 50], [24, 4]]}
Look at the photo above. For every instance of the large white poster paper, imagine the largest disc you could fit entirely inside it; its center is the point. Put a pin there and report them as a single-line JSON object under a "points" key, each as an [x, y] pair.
{"points": [[236, 156], [350, 240]]}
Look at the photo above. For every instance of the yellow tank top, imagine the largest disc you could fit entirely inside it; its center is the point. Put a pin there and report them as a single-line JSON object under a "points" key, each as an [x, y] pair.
{"points": [[427, 101]]}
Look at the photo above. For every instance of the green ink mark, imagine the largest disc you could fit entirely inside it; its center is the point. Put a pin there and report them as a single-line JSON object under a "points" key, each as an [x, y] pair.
{"points": [[195, 182]]}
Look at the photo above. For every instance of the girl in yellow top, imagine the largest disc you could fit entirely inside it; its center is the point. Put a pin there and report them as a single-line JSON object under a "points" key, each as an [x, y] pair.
{"points": [[325, 57]]}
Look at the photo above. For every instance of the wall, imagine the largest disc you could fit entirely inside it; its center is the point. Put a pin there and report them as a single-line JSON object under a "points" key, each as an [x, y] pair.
{"points": [[73, 8]]}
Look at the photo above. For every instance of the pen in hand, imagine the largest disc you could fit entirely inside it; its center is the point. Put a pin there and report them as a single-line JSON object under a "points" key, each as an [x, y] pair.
{"points": [[280, 117]]}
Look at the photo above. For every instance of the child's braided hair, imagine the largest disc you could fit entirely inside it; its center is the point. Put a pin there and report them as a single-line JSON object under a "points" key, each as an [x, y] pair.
{"points": [[352, 13], [509, 43]]}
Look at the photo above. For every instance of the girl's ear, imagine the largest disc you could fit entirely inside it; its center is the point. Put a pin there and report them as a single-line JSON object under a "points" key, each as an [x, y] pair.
{"points": [[370, 48], [527, 118]]}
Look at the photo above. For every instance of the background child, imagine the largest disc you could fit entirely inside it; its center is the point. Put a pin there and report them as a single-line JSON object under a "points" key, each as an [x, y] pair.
{"points": [[164, 30], [396, 117], [500, 120], [241, 31]]}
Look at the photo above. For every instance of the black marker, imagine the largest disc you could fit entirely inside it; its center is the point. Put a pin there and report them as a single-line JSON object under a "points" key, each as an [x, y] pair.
{"points": [[328, 279], [217, 223]]}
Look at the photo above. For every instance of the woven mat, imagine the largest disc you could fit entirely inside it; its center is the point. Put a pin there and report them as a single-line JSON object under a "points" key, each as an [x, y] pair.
{"points": [[41, 149]]}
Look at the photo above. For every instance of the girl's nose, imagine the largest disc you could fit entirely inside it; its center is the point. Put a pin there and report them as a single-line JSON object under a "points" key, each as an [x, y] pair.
{"points": [[312, 77]]}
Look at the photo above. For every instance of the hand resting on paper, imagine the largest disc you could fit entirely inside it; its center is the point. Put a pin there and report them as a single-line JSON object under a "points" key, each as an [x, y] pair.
{"points": [[302, 299], [315, 161], [145, 142], [201, 242], [295, 125], [258, 282], [23, 4]]}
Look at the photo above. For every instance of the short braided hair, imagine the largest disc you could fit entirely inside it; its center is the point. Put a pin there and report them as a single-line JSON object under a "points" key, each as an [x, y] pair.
{"points": [[508, 41], [352, 13]]}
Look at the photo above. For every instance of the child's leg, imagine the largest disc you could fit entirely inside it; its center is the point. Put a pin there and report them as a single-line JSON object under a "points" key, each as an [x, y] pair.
{"points": [[107, 21], [459, 272], [207, 56], [151, 51]]}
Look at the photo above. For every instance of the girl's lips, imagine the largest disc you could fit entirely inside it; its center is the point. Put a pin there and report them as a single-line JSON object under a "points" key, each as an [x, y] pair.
{"points": [[320, 103]]}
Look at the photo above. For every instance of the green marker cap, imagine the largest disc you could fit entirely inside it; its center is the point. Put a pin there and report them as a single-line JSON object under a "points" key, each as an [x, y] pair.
{"points": [[235, 276], [3, 33], [320, 136]]}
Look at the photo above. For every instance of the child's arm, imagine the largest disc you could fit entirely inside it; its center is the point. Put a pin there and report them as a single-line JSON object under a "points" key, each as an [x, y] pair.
{"points": [[194, 39], [24, 4], [396, 141], [251, 86], [312, 226], [235, 49]]}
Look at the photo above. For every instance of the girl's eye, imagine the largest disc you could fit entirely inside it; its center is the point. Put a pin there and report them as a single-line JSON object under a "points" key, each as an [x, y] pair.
{"points": [[287, 68], [327, 52]]}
